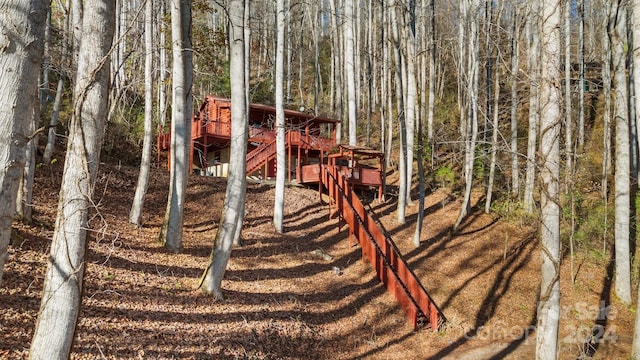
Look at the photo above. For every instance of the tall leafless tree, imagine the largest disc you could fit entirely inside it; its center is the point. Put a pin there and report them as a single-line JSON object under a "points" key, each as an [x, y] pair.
{"points": [[135, 215], [533, 33], [181, 110], [618, 34], [281, 165], [550, 98], [235, 195], [21, 49], [61, 296], [470, 134]]}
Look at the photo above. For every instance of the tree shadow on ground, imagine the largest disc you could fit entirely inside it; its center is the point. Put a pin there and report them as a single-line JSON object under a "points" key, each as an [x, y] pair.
{"points": [[487, 309], [599, 330]]}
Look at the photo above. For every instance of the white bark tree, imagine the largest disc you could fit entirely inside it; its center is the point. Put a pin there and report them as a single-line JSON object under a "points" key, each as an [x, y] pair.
{"points": [[618, 35], [21, 47], [51, 133], [61, 296], [432, 72], [278, 207], [237, 239], [402, 129], [338, 60], [24, 198], [635, 23], [495, 119], [568, 122], [181, 109], [606, 117], [470, 134], [162, 60], [412, 93], [77, 8], [515, 166], [211, 282], [349, 66], [135, 215], [550, 99], [430, 109], [581, 79], [533, 27]]}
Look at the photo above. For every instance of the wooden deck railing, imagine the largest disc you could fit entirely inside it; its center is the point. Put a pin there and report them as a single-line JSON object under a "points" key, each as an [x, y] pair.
{"points": [[260, 155]]}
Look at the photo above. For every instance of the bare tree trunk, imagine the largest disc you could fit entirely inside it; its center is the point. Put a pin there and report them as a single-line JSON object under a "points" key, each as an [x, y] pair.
{"points": [[432, 73], [534, 117], [471, 131], [515, 167], [21, 51], [290, 50], [119, 70], [581, 81], [618, 35], [462, 80], [135, 215], [162, 88], [494, 125], [46, 64], [412, 94], [489, 64], [402, 130], [635, 28], [550, 97], [385, 113], [390, 117], [237, 238], [51, 133], [369, 73], [568, 122], [387, 79], [171, 231], [76, 32], [236, 184], [24, 198], [281, 165], [337, 51], [349, 66], [61, 296], [317, 76], [606, 119]]}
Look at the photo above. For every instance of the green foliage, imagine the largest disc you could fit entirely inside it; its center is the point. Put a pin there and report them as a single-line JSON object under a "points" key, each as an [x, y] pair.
{"points": [[511, 209], [210, 56], [123, 139], [478, 168], [593, 227], [444, 176], [591, 218]]}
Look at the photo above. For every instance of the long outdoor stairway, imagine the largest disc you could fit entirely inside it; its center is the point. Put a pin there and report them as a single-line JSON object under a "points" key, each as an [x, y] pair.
{"points": [[381, 252]]}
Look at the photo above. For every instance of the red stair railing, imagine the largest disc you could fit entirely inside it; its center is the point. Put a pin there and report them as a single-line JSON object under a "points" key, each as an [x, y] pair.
{"points": [[258, 156], [381, 252]]}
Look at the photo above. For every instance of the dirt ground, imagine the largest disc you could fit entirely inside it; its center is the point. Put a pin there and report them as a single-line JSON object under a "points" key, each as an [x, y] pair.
{"points": [[283, 300]]}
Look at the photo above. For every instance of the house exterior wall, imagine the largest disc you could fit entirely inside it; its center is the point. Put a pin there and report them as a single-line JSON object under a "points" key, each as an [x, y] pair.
{"points": [[218, 163]]}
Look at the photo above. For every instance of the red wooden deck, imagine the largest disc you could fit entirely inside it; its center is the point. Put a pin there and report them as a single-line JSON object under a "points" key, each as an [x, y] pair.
{"points": [[307, 136]]}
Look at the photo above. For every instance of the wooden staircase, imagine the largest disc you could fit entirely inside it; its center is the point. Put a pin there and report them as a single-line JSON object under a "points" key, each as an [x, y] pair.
{"points": [[260, 155], [381, 252]]}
